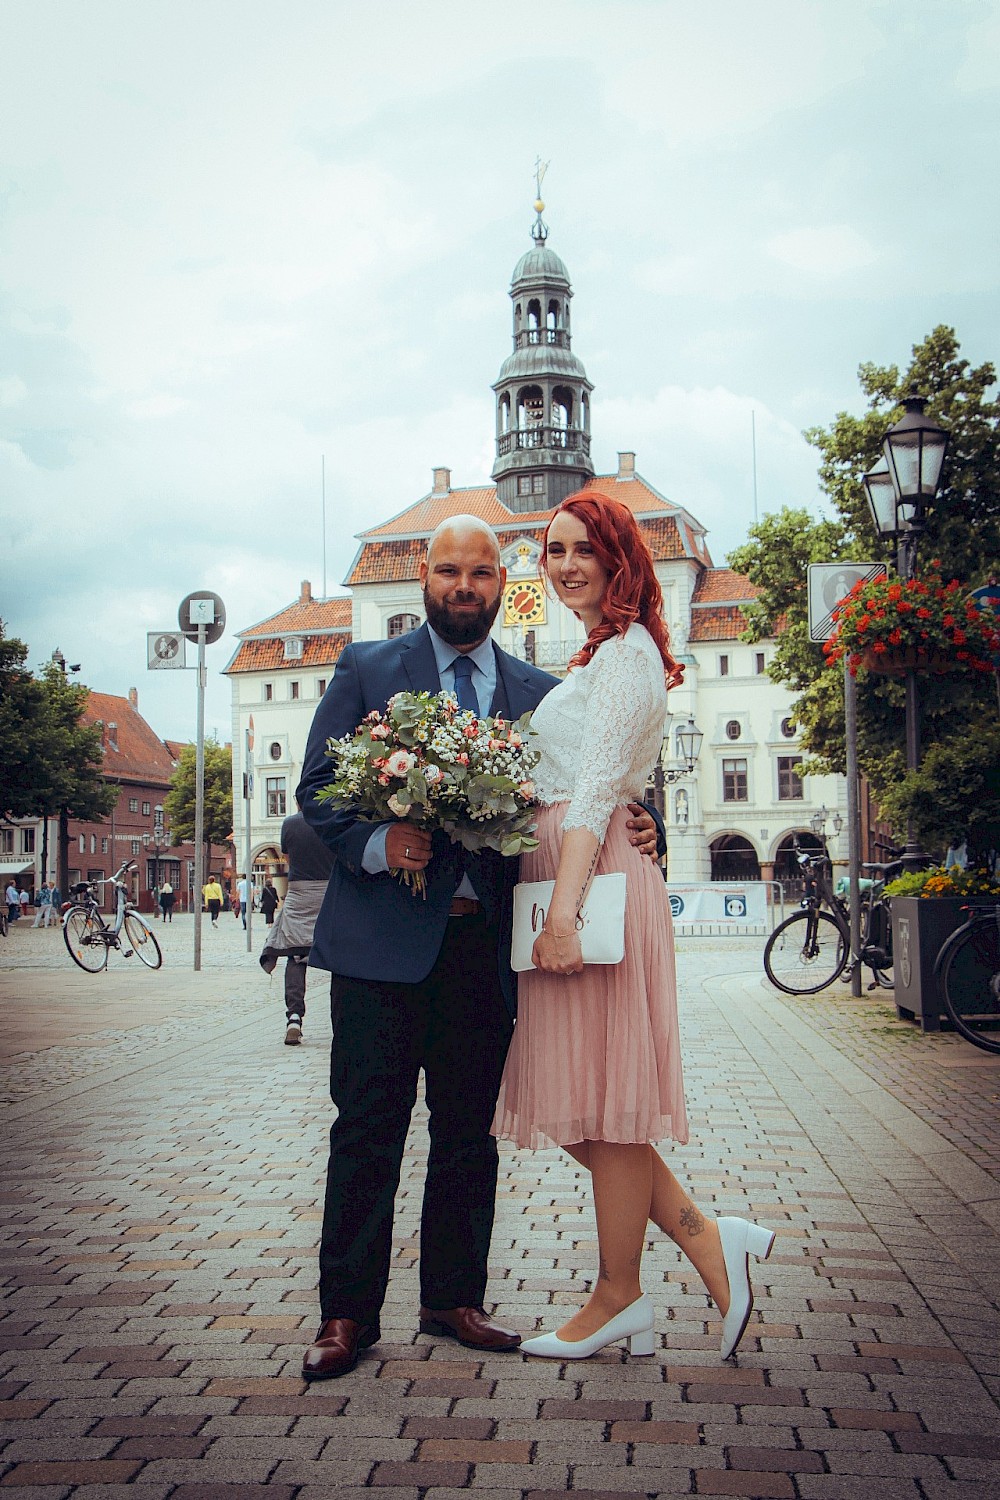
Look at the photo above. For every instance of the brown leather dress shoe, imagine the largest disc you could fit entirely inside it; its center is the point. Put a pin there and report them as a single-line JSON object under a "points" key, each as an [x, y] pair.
{"points": [[338, 1344], [471, 1327]]}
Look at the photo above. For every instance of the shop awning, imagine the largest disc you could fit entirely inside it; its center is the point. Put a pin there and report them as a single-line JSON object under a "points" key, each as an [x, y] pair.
{"points": [[17, 866]]}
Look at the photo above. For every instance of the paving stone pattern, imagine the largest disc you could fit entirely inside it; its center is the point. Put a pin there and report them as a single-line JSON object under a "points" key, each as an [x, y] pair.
{"points": [[161, 1173]]}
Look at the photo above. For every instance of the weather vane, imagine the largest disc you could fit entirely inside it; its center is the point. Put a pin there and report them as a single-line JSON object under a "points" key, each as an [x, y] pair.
{"points": [[541, 229]]}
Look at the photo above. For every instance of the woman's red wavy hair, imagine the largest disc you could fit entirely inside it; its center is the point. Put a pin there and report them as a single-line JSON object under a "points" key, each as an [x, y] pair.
{"points": [[633, 592]]}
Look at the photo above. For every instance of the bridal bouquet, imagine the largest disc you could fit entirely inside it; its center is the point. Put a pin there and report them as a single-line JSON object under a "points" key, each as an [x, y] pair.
{"points": [[440, 766]]}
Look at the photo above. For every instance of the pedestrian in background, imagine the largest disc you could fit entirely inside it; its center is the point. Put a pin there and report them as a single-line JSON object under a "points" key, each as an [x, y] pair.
{"points": [[268, 902], [213, 899], [309, 866], [167, 901], [244, 889], [45, 915]]}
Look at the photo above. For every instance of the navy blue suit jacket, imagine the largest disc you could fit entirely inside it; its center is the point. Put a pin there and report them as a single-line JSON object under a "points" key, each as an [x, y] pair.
{"points": [[372, 926]]}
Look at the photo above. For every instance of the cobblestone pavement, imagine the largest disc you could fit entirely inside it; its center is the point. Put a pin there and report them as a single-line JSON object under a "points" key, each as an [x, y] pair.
{"points": [[162, 1166]]}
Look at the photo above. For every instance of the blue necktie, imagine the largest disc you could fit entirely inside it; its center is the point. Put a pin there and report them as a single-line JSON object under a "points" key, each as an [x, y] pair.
{"points": [[464, 691]]}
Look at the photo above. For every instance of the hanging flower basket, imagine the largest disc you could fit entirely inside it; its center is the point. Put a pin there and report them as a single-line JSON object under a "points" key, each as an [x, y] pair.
{"points": [[896, 662], [891, 626]]}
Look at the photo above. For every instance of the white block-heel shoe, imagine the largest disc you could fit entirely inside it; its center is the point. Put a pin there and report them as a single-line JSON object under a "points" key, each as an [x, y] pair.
{"points": [[634, 1323], [740, 1239]]}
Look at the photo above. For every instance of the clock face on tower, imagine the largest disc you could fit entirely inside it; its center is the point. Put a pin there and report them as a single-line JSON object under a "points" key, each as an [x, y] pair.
{"points": [[524, 603]]}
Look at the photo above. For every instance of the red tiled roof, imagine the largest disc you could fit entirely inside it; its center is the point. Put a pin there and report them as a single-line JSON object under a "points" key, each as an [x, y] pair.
{"points": [[723, 586], [306, 615], [388, 562], [663, 537], [132, 752], [717, 622], [398, 561], [422, 518], [255, 655]]}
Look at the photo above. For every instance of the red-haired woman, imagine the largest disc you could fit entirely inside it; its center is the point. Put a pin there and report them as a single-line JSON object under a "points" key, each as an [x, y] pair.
{"points": [[595, 1062]]}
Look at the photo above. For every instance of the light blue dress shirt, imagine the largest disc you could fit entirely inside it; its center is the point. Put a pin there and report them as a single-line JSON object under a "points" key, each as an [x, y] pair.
{"points": [[484, 680]]}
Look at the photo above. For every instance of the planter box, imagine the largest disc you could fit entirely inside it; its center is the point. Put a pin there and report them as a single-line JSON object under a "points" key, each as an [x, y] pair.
{"points": [[918, 930]]}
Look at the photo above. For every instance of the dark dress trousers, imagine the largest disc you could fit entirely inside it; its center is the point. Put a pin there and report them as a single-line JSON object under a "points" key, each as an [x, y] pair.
{"points": [[413, 987]]}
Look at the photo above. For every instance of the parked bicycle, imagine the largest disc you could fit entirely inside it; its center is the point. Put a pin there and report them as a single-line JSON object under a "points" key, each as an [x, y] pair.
{"points": [[967, 971], [88, 937], [812, 948]]}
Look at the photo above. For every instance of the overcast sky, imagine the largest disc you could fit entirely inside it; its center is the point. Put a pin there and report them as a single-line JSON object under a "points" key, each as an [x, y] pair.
{"points": [[237, 237]]}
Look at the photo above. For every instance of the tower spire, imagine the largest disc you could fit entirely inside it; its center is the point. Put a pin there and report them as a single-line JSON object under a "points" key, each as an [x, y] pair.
{"points": [[540, 230], [542, 391]]}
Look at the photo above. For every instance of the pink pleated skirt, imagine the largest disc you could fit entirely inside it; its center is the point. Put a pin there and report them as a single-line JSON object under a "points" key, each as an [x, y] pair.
{"points": [[596, 1055]]}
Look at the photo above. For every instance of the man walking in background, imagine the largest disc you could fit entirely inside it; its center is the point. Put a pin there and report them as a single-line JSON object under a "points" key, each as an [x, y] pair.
{"points": [[309, 866]]}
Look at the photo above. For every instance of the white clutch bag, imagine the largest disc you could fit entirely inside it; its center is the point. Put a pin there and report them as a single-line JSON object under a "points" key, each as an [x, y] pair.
{"points": [[601, 924]]}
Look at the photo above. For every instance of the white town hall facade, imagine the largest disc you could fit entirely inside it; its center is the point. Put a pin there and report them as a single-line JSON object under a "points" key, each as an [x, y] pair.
{"points": [[735, 815]]}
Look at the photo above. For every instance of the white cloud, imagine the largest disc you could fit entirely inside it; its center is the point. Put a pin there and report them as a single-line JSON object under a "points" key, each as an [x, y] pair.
{"points": [[242, 237], [835, 250]]}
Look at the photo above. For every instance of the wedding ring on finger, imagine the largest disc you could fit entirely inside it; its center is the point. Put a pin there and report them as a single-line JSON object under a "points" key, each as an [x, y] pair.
{"points": [[407, 854]]}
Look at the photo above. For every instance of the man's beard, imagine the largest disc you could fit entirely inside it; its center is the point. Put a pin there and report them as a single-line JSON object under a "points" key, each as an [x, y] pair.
{"points": [[465, 629]]}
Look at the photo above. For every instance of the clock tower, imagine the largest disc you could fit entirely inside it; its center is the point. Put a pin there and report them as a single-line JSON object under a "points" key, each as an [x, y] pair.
{"points": [[542, 392]]}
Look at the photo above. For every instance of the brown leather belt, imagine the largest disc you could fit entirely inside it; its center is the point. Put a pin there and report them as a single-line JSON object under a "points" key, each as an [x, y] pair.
{"points": [[464, 906]]}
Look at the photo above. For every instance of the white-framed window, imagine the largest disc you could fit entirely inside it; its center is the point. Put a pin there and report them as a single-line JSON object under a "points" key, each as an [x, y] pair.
{"points": [[133, 804], [146, 809], [723, 666], [83, 844], [293, 691], [320, 686], [268, 692], [136, 845], [6, 841], [759, 663], [734, 779], [401, 625], [275, 788], [104, 846], [27, 841], [293, 648], [790, 787]]}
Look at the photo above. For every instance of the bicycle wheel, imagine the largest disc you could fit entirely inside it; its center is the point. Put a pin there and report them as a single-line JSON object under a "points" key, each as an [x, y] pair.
{"points": [[968, 973], [142, 941], [83, 934], [805, 953]]}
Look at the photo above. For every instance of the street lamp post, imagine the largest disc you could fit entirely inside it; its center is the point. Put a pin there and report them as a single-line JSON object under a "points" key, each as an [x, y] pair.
{"points": [[818, 822], [689, 742], [900, 488]]}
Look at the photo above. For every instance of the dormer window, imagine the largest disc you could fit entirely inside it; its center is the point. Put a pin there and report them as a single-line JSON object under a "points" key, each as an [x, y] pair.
{"points": [[293, 648]]}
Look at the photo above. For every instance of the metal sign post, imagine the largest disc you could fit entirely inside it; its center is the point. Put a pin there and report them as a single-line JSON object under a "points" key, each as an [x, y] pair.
{"points": [[248, 839], [853, 825], [199, 800], [829, 585], [202, 618]]}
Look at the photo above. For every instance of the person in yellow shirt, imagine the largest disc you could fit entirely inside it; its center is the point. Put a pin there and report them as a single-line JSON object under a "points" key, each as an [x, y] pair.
{"points": [[212, 893]]}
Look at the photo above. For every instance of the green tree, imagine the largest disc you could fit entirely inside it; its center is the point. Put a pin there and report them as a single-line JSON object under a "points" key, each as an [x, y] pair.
{"points": [[53, 763], [22, 738], [180, 800], [958, 711]]}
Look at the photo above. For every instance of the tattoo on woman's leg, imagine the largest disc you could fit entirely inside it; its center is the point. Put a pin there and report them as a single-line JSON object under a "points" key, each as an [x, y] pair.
{"points": [[602, 1274], [692, 1220]]}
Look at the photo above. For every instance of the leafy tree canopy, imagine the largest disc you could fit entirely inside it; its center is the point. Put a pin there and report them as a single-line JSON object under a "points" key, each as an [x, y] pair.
{"points": [[180, 800], [52, 761], [959, 711]]}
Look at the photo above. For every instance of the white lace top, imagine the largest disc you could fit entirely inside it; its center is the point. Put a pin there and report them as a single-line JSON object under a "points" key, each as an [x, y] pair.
{"points": [[600, 731]]}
